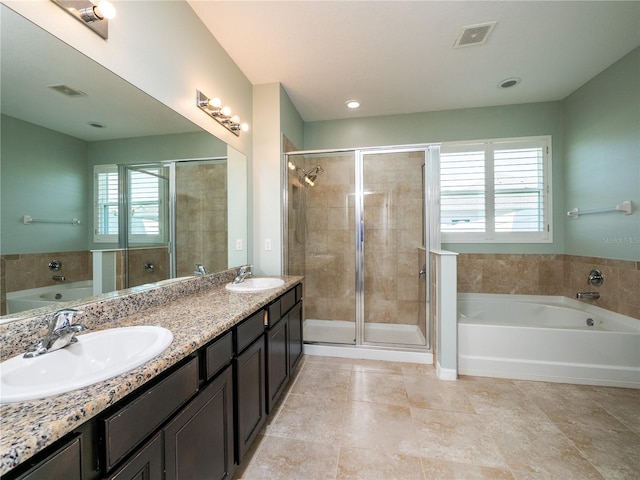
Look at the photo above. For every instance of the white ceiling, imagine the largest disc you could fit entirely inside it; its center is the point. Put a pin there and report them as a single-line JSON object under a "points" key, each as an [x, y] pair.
{"points": [[397, 56]]}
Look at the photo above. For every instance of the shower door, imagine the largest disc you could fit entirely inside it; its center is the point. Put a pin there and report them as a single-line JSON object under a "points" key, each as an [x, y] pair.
{"points": [[392, 277], [321, 242]]}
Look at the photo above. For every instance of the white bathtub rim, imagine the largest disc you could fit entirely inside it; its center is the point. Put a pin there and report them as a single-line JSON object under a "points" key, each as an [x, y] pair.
{"points": [[48, 289], [556, 300]]}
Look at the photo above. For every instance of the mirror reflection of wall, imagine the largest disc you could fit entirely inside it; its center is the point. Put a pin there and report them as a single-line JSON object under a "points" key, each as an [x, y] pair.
{"points": [[50, 146]]}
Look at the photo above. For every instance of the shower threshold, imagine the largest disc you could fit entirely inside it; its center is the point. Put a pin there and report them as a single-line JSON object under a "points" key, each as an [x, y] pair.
{"points": [[343, 332]]}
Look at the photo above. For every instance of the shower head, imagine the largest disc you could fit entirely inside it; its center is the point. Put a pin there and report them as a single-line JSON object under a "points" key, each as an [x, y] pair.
{"points": [[310, 177]]}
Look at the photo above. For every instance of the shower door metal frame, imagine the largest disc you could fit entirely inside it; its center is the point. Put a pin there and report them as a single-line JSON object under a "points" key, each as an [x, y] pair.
{"points": [[431, 152]]}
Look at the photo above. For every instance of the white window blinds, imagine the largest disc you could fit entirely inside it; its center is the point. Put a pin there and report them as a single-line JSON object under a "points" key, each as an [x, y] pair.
{"points": [[496, 191]]}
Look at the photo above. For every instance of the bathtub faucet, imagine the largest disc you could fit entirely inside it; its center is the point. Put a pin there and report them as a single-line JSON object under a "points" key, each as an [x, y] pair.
{"points": [[587, 295], [61, 332], [243, 272]]}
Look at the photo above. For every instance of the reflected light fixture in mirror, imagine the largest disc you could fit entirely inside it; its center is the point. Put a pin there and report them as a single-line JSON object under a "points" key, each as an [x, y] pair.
{"points": [[95, 16], [213, 107]]}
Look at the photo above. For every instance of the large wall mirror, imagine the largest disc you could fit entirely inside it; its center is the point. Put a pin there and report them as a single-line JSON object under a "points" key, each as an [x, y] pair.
{"points": [[103, 187]]}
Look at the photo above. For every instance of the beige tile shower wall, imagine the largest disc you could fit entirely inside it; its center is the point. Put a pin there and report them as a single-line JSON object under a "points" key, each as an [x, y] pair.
{"points": [[393, 235], [139, 257], [552, 275], [330, 247], [31, 270], [201, 209]]}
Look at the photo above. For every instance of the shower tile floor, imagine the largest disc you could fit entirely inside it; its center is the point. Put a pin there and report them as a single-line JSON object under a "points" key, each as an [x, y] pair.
{"points": [[361, 419]]}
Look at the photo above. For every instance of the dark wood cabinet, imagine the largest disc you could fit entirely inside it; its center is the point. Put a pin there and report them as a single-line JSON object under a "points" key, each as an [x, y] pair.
{"points": [[295, 336], [145, 464], [64, 463], [250, 395], [195, 421], [277, 361], [198, 442]]}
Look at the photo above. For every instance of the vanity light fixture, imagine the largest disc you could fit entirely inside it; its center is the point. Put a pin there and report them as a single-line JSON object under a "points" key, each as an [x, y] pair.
{"points": [[213, 107], [96, 16]]}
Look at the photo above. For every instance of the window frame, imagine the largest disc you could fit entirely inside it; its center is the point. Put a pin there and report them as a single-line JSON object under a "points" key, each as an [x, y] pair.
{"points": [[490, 235]]}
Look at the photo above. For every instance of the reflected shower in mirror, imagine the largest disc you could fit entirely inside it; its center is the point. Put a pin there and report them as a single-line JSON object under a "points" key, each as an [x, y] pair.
{"points": [[64, 116]]}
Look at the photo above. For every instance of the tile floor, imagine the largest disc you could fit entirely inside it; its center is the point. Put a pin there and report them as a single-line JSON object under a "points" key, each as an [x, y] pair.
{"points": [[358, 419]]}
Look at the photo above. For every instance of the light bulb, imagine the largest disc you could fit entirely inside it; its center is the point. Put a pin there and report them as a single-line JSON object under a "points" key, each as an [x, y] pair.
{"points": [[215, 102], [226, 111], [235, 119], [244, 127], [106, 10]]}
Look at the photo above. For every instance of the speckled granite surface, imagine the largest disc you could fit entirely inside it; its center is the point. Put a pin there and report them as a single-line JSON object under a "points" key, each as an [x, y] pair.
{"points": [[195, 310]]}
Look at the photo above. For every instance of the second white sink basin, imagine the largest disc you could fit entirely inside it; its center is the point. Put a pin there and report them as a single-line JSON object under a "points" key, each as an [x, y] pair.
{"points": [[95, 357], [255, 284]]}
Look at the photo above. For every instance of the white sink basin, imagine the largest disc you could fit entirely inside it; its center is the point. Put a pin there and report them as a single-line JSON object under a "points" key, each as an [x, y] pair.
{"points": [[255, 284], [95, 357]]}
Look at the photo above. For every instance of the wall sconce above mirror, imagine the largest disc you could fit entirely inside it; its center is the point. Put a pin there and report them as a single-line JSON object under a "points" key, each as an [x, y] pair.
{"points": [[222, 114], [95, 16]]}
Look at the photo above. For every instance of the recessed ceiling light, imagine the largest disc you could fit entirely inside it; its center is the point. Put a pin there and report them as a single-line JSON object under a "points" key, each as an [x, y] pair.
{"points": [[509, 82], [352, 104], [96, 124]]}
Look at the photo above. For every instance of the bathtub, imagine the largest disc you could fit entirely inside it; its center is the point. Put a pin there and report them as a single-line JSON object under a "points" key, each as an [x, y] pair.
{"points": [[554, 339], [51, 295]]}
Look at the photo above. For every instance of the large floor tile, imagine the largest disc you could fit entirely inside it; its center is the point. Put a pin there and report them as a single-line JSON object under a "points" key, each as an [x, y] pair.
{"points": [[538, 446], [435, 394], [376, 387], [311, 418], [615, 453], [288, 459], [453, 436], [323, 380], [446, 470], [365, 464]]}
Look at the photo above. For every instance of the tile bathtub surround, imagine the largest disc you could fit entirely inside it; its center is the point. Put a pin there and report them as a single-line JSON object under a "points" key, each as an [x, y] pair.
{"points": [[540, 274], [194, 310], [357, 419]]}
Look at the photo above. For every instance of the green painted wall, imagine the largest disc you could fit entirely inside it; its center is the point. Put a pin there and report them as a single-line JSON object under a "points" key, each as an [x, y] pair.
{"points": [[602, 162], [466, 124], [43, 175]]}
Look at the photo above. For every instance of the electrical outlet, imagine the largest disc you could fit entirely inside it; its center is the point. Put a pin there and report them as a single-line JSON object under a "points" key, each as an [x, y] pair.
{"points": [[239, 244], [267, 244]]}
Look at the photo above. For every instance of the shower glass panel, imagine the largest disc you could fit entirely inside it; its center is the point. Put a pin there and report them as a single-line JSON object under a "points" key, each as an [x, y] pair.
{"points": [[144, 222], [393, 253], [321, 242], [201, 216]]}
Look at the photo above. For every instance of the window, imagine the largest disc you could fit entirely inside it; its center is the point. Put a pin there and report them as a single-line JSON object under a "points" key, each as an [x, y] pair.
{"points": [[146, 207], [496, 191]]}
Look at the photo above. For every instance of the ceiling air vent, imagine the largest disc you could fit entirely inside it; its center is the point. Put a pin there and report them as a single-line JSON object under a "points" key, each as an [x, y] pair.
{"points": [[67, 90], [474, 35]]}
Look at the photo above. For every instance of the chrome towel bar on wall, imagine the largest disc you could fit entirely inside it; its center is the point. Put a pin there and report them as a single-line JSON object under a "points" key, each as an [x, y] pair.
{"points": [[624, 207]]}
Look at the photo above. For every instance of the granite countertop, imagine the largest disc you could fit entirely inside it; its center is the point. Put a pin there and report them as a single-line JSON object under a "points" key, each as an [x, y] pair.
{"points": [[28, 427]]}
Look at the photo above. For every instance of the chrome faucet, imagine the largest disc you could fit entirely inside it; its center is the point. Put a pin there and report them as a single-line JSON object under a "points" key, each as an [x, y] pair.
{"points": [[60, 334], [200, 270], [593, 295], [243, 272]]}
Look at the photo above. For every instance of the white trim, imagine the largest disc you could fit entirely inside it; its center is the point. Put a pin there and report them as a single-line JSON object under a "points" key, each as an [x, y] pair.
{"points": [[446, 373], [351, 351]]}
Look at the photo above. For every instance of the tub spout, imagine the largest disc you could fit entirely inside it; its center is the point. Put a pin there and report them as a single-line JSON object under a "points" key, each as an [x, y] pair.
{"points": [[588, 295]]}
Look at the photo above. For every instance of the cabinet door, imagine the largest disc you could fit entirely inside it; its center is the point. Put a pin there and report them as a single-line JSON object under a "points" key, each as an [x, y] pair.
{"points": [[250, 395], [198, 442], [277, 361], [295, 336], [146, 464], [63, 463]]}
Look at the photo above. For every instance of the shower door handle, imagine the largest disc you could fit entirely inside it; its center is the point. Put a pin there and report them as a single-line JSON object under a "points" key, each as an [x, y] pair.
{"points": [[423, 272]]}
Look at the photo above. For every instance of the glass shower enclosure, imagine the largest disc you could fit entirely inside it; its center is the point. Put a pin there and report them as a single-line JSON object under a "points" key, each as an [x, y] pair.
{"points": [[357, 230]]}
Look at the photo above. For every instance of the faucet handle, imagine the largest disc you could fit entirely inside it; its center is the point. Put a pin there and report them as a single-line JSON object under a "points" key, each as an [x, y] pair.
{"points": [[63, 318]]}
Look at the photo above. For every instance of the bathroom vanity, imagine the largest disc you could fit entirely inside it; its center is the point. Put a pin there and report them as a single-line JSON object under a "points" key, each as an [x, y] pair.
{"points": [[192, 412]]}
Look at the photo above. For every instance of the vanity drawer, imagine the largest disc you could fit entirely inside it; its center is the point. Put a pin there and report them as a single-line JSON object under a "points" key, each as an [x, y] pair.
{"points": [[249, 330], [287, 301], [218, 354], [129, 426]]}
